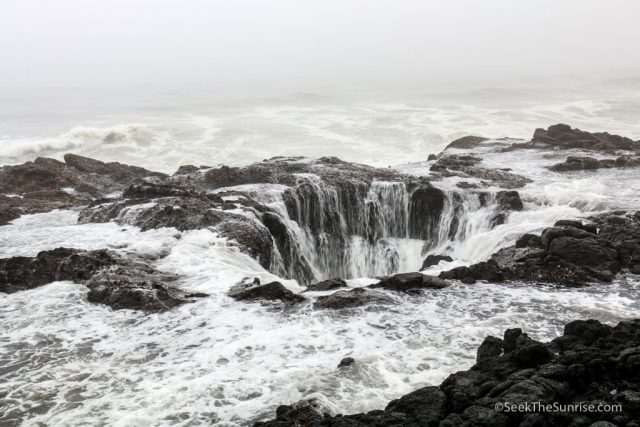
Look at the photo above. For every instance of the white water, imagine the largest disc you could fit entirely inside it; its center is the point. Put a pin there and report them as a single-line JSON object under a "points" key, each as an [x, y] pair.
{"points": [[380, 127], [64, 361]]}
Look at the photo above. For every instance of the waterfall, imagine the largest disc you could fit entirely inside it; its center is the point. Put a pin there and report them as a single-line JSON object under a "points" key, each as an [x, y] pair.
{"points": [[353, 228]]}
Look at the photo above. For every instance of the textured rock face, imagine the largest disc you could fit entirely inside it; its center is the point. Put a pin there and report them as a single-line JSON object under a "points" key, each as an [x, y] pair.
{"points": [[354, 298], [570, 253], [408, 282], [574, 163], [467, 165], [47, 184], [591, 363], [562, 137], [112, 280], [327, 285], [274, 291], [432, 260], [466, 142]]}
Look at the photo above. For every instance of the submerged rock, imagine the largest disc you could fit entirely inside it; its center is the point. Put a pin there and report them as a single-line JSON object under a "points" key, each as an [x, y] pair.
{"points": [[112, 280], [467, 142], [327, 285], [432, 260], [406, 282], [573, 163], [354, 298], [274, 291], [592, 363]]}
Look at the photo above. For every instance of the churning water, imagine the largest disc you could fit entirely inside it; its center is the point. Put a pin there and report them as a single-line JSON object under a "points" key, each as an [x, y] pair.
{"points": [[64, 361]]}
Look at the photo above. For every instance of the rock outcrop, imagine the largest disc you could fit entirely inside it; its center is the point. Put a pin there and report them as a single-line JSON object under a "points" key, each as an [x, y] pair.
{"points": [[569, 253], [466, 165], [574, 163], [410, 282], [112, 280], [356, 297], [563, 137], [46, 184], [591, 364], [274, 291]]}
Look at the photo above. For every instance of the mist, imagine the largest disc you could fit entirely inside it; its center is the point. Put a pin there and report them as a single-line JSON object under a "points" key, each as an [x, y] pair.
{"points": [[244, 44]]}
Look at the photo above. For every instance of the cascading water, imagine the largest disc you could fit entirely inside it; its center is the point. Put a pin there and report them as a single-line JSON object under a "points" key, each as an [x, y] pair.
{"points": [[353, 228]]}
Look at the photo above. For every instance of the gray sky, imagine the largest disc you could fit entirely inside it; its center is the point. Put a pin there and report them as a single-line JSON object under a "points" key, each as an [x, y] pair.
{"points": [[106, 43]]}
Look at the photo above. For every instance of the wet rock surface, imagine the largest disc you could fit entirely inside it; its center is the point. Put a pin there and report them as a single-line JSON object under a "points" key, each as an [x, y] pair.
{"points": [[570, 253], [327, 285], [574, 163], [356, 297], [112, 280], [46, 184], [591, 364], [274, 291], [409, 282], [432, 260], [466, 165], [562, 137]]}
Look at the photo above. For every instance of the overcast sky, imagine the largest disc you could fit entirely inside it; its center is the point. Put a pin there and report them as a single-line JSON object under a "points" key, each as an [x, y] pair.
{"points": [[114, 42]]}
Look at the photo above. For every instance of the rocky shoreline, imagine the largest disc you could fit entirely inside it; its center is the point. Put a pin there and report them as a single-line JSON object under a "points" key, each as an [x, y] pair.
{"points": [[310, 219], [590, 365]]}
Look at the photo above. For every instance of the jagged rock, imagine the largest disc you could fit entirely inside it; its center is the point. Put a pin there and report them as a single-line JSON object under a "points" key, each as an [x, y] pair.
{"points": [[466, 142], [347, 361], [573, 163], [135, 288], [112, 280], [489, 271], [490, 348], [302, 413], [47, 184], [425, 209], [353, 298], [529, 241], [528, 371], [563, 136], [468, 165], [274, 291], [432, 260], [8, 214], [509, 201], [406, 282], [327, 285], [570, 253], [20, 273]]}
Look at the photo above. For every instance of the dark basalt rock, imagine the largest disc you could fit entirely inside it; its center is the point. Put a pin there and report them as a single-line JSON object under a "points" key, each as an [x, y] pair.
{"points": [[467, 142], [8, 213], [595, 364], [354, 298], [47, 184], [490, 348], [562, 137], [135, 288], [529, 241], [407, 282], [570, 253], [274, 291], [112, 280], [573, 163], [489, 271], [347, 361], [509, 201], [327, 285], [468, 165], [21, 273], [432, 260]]}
